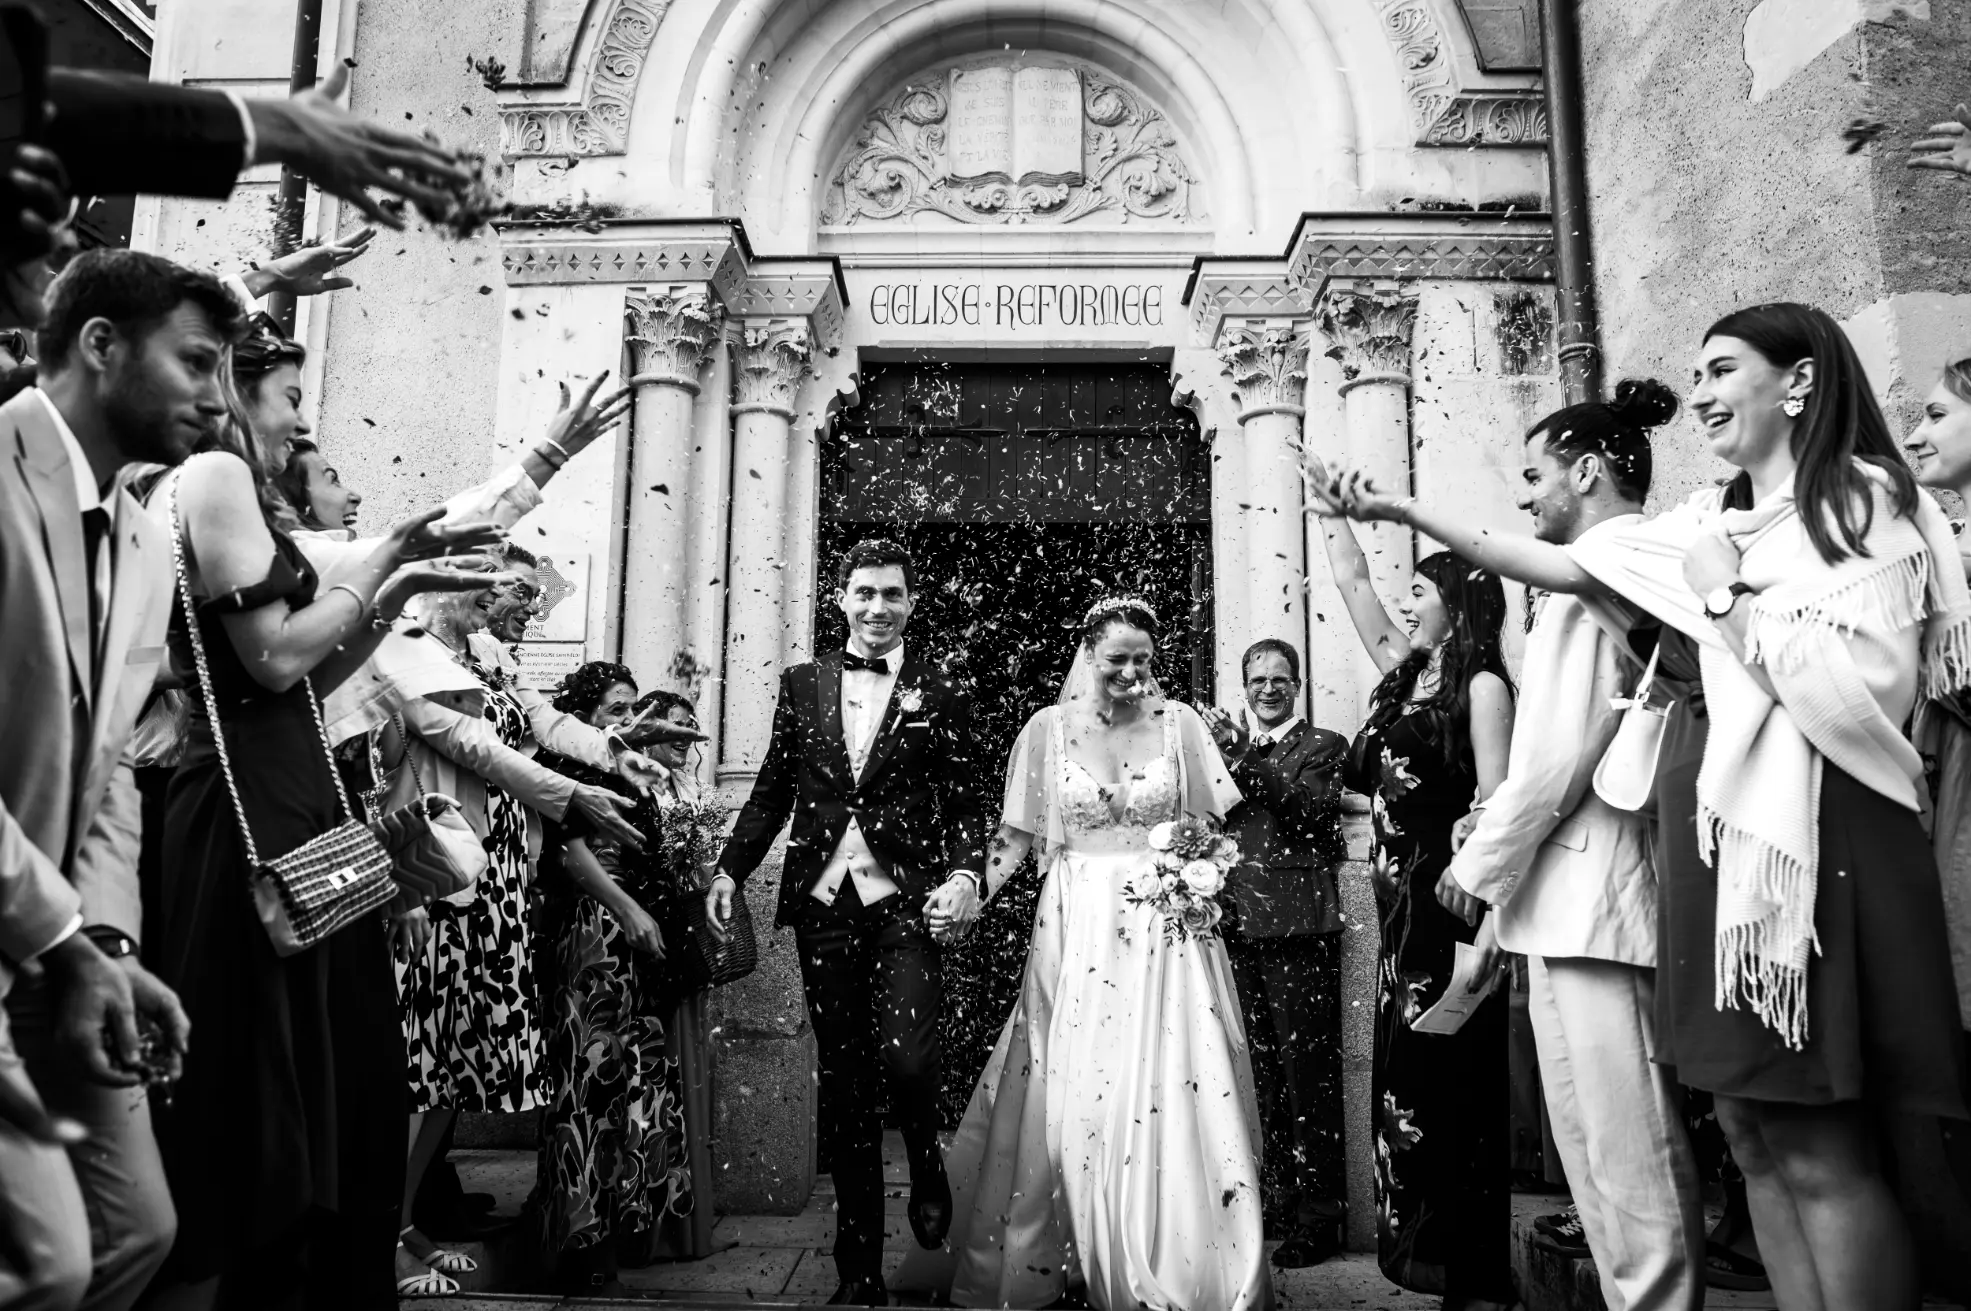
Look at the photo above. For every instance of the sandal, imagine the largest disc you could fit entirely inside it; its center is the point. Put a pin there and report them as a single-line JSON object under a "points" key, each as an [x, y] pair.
{"points": [[443, 1260], [429, 1283]]}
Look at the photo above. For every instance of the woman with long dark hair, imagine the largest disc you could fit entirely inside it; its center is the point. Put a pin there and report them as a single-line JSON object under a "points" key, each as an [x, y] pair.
{"points": [[256, 1141], [1438, 733], [1802, 977]]}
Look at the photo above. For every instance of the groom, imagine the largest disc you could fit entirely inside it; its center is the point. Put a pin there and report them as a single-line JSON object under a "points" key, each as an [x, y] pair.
{"points": [[871, 754]]}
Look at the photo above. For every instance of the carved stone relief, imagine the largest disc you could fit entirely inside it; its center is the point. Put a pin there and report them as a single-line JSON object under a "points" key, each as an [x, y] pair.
{"points": [[1268, 366], [1000, 144], [772, 357], [597, 124], [1368, 330], [1446, 114], [670, 332]]}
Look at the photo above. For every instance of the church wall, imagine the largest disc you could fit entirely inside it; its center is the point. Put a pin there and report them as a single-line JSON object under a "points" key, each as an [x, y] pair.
{"points": [[1705, 198]]}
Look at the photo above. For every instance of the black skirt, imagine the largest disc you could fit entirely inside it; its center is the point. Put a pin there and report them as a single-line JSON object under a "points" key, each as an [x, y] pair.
{"points": [[1881, 1004]]}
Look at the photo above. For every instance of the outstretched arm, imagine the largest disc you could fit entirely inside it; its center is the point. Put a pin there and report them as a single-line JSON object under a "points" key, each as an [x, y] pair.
{"points": [[1009, 848], [1386, 644], [1352, 494]]}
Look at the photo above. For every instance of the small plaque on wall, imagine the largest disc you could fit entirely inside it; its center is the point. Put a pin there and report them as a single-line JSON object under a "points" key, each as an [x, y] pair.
{"points": [[544, 664]]}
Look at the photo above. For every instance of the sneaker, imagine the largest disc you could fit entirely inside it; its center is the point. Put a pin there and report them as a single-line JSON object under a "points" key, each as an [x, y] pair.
{"points": [[1562, 1233], [1724, 1268]]}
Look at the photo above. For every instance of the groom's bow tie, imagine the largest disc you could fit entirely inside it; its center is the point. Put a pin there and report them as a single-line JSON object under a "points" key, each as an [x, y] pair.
{"points": [[874, 664]]}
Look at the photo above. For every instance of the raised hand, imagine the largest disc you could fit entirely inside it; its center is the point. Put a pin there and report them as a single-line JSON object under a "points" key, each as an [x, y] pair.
{"points": [[1231, 734], [578, 423], [608, 812], [346, 156], [309, 271], [425, 535], [650, 727], [1947, 147]]}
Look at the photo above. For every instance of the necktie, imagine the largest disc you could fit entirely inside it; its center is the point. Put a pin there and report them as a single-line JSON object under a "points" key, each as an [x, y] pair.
{"points": [[873, 664], [95, 546]]}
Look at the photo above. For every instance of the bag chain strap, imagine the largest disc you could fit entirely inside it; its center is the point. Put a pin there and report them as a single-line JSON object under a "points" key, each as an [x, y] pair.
{"points": [[404, 737], [212, 700]]}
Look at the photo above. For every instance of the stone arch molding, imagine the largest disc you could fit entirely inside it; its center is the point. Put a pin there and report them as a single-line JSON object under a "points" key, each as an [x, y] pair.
{"points": [[1003, 139], [591, 116]]}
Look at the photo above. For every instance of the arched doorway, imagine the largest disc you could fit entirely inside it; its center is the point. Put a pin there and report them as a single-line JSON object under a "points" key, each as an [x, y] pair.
{"points": [[1024, 491]]}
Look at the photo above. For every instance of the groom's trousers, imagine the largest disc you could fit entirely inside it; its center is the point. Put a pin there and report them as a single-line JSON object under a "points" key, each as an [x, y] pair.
{"points": [[871, 976]]}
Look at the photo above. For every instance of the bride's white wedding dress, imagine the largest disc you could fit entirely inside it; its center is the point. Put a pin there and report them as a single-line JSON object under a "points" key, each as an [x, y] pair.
{"points": [[1114, 1136]]}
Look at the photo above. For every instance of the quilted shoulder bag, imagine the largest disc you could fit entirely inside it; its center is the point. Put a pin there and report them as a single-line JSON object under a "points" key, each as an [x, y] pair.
{"points": [[325, 883], [1626, 776], [436, 852]]}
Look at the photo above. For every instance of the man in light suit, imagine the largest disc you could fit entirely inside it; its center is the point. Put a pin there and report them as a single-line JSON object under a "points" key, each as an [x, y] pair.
{"points": [[131, 358], [1572, 887]]}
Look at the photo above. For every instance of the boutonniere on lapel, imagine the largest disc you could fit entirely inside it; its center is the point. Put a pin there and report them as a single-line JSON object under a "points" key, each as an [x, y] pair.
{"points": [[910, 700]]}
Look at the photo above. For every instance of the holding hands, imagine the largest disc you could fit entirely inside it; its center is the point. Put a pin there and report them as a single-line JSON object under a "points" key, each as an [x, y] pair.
{"points": [[952, 909]]}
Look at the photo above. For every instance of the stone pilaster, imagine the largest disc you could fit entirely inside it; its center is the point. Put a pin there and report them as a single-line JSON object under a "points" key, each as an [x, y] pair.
{"points": [[770, 360], [1267, 362], [670, 332], [1368, 327]]}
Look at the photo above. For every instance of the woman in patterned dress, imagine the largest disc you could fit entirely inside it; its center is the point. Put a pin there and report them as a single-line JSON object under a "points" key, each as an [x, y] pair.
{"points": [[1439, 729], [613, 1161], [471, 1022]]}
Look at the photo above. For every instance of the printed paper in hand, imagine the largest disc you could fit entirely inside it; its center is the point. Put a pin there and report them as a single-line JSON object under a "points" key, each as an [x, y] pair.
{"points": [[1458, 1002]]}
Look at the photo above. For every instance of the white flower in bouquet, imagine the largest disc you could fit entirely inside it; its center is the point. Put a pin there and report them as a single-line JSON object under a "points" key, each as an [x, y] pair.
{"points": [[1197, 917], [1161, 835], [1225, 851], [1168, 881], [1203, 877]]}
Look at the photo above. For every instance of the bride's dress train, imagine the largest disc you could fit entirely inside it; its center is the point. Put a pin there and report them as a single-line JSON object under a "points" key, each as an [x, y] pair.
{"points": [[1113, 1137]]}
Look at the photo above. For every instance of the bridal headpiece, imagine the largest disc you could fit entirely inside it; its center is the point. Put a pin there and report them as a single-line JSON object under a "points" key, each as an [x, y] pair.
{"points": [[1115, 605]]}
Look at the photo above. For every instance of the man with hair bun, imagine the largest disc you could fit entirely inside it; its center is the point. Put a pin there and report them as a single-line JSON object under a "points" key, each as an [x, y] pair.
{"points": [[1572, 885]]}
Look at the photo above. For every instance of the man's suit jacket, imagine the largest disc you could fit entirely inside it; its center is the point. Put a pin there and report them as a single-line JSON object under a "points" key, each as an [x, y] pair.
{"points": [[1289, 834], [118, 135], [69, 812], [914, 801], [1569, 874]]}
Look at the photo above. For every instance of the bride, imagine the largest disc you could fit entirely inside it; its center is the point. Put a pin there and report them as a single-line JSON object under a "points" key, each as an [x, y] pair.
{"points": [[1113, 1139]]}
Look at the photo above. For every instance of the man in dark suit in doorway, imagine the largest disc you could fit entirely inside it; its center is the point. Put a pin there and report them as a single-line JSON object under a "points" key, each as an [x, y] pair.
{"points": [[1283, 930], [872, 755]]}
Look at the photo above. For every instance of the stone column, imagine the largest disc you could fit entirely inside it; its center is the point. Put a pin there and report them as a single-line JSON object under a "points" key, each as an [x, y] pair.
{"points": [[670, 332], [1368, 329], [1267, 361], [1198, 383], [705, 559], [771, 359]]}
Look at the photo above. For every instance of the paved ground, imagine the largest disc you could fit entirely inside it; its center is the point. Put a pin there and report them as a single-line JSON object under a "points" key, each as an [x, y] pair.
{"points": [[780, 1261]]}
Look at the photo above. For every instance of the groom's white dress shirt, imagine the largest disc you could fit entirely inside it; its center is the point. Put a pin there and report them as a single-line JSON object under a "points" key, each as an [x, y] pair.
{"points": [[865, 697], [1274, 736]]}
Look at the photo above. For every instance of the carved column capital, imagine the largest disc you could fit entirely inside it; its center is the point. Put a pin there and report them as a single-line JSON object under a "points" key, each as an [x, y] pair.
{"points": [[671, 332], [772, 357], [1368, 330], [1267, 360]]}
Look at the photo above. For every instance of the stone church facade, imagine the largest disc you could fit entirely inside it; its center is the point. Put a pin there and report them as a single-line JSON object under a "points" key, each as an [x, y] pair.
{"points": [[1308, 221]]}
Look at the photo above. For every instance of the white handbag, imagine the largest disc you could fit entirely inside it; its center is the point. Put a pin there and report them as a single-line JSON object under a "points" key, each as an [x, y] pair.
{"points": [[1626, 776]]}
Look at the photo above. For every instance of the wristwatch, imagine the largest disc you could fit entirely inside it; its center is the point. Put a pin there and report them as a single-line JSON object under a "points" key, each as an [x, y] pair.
{"points": [[1719, 600]]}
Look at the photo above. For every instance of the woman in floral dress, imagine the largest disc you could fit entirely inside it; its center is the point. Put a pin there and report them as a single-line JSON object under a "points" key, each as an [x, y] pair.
{"points": [[614, 1164], [1439, 728]]}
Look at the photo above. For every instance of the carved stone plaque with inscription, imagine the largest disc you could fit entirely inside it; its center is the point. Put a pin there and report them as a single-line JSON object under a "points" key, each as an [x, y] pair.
{"points": [[988, 142]]}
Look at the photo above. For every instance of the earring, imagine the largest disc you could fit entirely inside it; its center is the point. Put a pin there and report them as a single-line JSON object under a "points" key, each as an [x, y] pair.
{"points": [[1792, 406]]}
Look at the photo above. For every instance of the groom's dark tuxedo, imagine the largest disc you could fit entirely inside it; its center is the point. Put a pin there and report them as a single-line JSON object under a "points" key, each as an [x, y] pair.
{"points": [[869, 967], [914, 800]]}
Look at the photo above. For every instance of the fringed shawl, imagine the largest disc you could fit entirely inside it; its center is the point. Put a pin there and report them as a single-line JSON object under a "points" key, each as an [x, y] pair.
{"points": [[1848, 647]]}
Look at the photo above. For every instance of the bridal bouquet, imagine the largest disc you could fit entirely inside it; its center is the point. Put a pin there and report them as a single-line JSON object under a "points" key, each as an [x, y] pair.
{"points": [[693, 833], [1192, 859]]}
